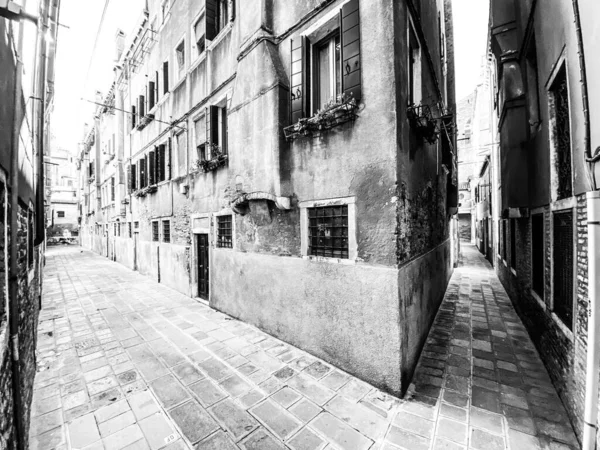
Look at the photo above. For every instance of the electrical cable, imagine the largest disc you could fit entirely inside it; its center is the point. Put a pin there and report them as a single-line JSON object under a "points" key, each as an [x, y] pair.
{"points": [[106, 3]]}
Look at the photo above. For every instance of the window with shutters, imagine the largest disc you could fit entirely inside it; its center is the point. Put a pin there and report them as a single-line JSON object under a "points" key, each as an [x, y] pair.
{"points": [[513, 244], [199, 34], [151, 95], [180, 58], [112, 189], [562, 267], [141, 108], [537, 254], [143, 177], [200, 140], [166, 231], [165, 7], [130, 229], [132, 178], [222, 15], [165, 69], [224, 231], [211, 138], [60, 214], [561, 133], [325, 73], [155, 231], [151, 167], [533, 102], [133, 117], [180, 154], [414, 68]]}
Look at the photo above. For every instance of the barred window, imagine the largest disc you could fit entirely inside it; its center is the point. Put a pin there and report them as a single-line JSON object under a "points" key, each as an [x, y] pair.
{"points": [[563, 266], [155, 231], [224, 232], [166, 229], [559, 102], [136, 225], [328, 231]]}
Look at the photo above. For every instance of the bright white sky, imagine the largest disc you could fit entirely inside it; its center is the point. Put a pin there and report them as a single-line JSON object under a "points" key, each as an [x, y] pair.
{"points": [[75, 46], [470, 42]]}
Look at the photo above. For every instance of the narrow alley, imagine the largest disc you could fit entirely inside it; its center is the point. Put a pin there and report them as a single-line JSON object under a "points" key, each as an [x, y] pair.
{"points": [[132, 364]]}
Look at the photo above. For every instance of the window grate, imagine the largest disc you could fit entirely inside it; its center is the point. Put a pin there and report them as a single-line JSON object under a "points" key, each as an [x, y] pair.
{"points": [[563, 267], [537, 254], [155, 231], [562, 131], [513, 244], [166, 228], [328, 231], [224, 232]]}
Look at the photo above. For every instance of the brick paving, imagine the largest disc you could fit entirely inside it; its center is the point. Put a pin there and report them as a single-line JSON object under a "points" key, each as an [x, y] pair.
{"points": [[126, 363]]}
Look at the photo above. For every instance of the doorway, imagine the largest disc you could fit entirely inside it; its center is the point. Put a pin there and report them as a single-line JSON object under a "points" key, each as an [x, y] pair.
{"points": [[203, 274]]}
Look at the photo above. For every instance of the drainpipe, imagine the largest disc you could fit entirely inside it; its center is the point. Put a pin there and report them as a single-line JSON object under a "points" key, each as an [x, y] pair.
{"points": [[593, 355], [14, 236]]}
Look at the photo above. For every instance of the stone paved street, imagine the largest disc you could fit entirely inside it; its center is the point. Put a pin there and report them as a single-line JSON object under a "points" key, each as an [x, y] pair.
{"points": [[125, 362]]}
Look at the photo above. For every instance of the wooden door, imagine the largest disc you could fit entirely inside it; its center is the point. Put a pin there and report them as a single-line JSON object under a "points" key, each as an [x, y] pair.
{"points": [[203, 280]]}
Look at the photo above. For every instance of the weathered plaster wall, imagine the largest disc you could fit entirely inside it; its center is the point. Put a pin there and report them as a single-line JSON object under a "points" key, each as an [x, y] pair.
{"points": [[346, 314]]}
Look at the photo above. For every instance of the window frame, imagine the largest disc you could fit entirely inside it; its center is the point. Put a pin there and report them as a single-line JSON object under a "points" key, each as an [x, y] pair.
{"points": [[414, 65], [335, 85], [60, 214], [352, 227], [215, 225], [181, 63], [201, 15], [155, 223], [220, 17], [165, 238]]}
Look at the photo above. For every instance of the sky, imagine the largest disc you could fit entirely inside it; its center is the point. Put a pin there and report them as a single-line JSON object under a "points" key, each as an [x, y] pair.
{"points": [[82, 17], [470, 42], [74, 50]]}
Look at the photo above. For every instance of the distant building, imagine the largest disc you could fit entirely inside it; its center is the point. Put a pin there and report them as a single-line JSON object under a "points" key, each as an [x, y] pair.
{"points": [[291, 163], [62, 181], [543, 53]]}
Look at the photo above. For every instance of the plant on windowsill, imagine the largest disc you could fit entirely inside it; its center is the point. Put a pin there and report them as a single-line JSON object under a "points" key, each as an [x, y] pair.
{"points": [[145, 191], [217, 159], [91, 179], [145, 120], [423, 123], [334, 113]]}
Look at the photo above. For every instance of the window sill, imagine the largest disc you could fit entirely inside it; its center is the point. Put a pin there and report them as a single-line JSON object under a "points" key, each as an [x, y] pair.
{"points": [[201, 57], [179, 83], [568, 333], [513, 271], [565, 203], [538, 299], [324, 259], [219, 37]]}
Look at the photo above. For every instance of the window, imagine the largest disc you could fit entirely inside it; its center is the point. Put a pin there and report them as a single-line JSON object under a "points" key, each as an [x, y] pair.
{"points": [[513, 244], [112, 189], [561, 132], [327, 61], [328, 231], [537, 254], [504, 240], [130, 230], [562, 271], [156, 90], [165, 6], [166, 231], [155, 231], [224, 232], [222, 15], [161, 163], [151, 95], [414, 69], [115, 229], [199, 32], [165, 77], [200, 139], [91, 170], [60, 214], [133, 117], [136, 225], [143, 178], [142, 106], [132, 178], [30, 239], [533, 105], [180, 142], [180, 54]]}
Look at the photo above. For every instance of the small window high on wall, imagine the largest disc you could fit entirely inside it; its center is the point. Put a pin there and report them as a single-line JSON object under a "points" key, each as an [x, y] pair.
{"points": [[561, 133]]}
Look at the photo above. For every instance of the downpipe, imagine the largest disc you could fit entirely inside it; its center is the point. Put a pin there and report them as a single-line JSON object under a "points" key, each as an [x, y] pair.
{"points": [[590, 420]]}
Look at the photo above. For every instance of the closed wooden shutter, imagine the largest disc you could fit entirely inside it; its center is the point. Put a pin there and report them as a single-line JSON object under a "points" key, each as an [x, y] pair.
{"points": [[351, 67], [156, 90], [132, 178], [225, 130], [169, 174], [129, 177], [211, 19], [231, 10], [142, 164], [212, 125], [133, 116], [165, 77], [141, 106], [151, 168], [151, 93], [298, 97]]}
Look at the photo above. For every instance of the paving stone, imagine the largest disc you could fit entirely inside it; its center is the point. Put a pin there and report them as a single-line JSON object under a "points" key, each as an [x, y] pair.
{"points": [[168, 391], [485, 399], [482, 440], [193, 421], [218, 441], [235, 386], [452, 430], [488, 421], [54, 438], [121, 439], [453, 412], [286, 397], [157, 430], [108, 412], [518, 440], [306, 440], [340, 433], [207, 392], [83, 431], [314, 391], [407, 440], [414, 424], [252, 398], [359, 417], [117, 423], [215, 369], [46, 422], [276, 419], [305, 410], [261, 440], [237, 421]]}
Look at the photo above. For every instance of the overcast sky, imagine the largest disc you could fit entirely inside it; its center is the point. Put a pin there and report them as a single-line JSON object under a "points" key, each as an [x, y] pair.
{"points": [[75, 46]]}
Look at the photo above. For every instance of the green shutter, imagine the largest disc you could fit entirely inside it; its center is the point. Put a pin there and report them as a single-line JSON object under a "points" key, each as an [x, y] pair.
{"points": [[351, 66], [298, 99]]}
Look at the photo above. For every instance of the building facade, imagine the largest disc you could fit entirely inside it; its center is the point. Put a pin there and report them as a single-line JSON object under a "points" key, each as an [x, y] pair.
{"points": [[291, 164], [22, 214], [542, 57], [62, 185]]}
